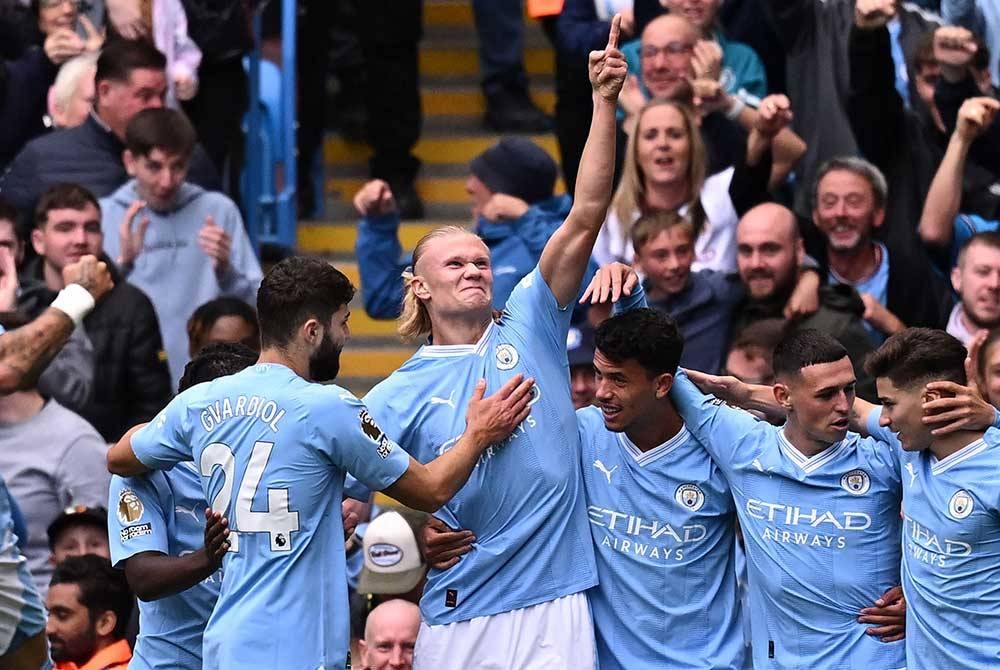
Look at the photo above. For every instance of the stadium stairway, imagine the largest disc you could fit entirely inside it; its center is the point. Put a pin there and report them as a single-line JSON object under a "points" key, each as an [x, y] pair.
{"points": [[452, 135]]}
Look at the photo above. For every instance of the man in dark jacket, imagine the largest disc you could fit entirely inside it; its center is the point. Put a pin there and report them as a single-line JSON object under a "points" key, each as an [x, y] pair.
{"points": [[769, 254], [132, 382], [815, 34], [851, 198], [906, 144], [130, 78]]}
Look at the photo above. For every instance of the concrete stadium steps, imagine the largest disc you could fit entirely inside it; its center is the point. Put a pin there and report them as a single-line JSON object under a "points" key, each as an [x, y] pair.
{"points": [[452, 135]]}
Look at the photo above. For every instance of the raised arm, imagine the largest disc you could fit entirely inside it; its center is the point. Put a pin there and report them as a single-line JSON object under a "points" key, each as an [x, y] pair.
{"points": [[122, 460], [25, 351], [937, 221], [565, 257], [378, 250], [489, 421]]}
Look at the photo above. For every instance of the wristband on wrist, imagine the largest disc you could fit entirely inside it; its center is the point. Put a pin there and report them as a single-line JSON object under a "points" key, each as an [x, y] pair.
{"points": [[75, 302], [736, 108]]}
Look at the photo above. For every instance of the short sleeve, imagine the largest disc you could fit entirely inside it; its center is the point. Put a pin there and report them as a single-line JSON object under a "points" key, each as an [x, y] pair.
{"points": [[163, 442], [880, 433], [353, 441], [532, 308], [137, 521], [718, 426]]}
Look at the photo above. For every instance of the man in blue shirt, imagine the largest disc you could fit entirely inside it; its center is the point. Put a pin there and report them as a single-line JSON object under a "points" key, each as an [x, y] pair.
{"points": [[662, 517], [171, 557], [516, 600], [272, 449], [819, 509], [951, 504]]}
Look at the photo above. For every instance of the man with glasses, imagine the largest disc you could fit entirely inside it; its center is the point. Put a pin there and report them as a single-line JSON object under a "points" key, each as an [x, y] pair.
{"points": [[665, 58]]}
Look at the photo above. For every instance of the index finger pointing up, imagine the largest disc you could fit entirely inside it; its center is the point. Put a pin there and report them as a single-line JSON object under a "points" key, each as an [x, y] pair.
{"points": [[616, 26]]}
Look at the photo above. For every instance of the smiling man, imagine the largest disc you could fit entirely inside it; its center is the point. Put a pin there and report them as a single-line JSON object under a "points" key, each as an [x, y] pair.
{"points": [[976, 279], [819, 509], [850, 200]]}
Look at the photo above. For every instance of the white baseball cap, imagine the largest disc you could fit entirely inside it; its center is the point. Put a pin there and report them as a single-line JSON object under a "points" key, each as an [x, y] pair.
{"points": [[393, 563]]}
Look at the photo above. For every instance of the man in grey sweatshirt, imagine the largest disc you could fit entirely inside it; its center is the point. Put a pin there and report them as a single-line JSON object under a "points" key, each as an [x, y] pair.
{"points": [[180, 244]]}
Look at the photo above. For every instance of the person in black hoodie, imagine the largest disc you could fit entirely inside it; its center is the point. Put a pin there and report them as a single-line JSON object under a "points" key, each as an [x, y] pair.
{"points": [[906, 144], [131, 380]]}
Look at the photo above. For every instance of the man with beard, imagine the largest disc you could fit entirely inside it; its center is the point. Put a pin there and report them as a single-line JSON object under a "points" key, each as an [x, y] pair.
{"points": [[976, 279], [89, 606], [769, 255], [273, 448], [849, 203]]}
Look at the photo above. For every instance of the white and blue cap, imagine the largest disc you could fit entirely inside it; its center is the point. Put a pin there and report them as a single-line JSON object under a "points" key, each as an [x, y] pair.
{"points": [[393, 563]]}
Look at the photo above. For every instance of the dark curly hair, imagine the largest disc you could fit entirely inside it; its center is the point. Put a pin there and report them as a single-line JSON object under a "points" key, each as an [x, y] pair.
{"points": [[645, 335]]}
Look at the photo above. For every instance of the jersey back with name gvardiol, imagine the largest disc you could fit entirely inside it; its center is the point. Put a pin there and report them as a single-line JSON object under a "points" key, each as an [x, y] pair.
{"points": [[663, 524], [821, 536], [164, 512], [272, 450], [951, 553], [524, 500]]}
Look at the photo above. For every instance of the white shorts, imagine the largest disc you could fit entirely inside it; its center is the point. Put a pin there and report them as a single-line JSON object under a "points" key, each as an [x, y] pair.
{"points": [[556, 635]]}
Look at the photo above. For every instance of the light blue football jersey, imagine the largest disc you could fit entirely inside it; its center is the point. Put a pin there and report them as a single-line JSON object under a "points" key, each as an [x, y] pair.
{"points": [[951, 553], [663, 525], [164, 512], [524, 500], [821, 535], [21, 613], [272, 450]]}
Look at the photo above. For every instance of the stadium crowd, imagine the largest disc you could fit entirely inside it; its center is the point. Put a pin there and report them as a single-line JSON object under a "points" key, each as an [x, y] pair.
{"points": [[730, 401]]}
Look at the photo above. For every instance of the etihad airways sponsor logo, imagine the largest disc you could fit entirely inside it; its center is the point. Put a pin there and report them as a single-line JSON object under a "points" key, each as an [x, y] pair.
{"points": [[630, 524], [793, 515]]}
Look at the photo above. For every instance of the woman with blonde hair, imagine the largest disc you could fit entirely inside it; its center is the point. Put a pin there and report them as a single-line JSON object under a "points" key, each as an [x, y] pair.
{"points": [[665, 169]]}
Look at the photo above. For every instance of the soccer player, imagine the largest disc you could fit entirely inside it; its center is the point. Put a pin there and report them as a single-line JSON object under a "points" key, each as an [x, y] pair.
{"points": [[951, 504], [819, 509], [272, 448], [158, 534], [662, 517], [516, 600]]}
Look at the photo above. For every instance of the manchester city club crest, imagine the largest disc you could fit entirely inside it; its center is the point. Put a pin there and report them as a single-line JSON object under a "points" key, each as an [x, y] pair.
{"points": [[857, 482], [506, 357], [690, 497], [960, 505]]}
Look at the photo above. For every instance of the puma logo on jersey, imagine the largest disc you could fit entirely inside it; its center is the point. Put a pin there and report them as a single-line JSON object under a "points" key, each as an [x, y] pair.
{"points": [[913, 473], [603, 468], [449, 401], [184, 510]]}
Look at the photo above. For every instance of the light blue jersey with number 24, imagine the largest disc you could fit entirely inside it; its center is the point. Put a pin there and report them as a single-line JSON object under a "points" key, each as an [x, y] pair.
{"points": [[272, 450]]}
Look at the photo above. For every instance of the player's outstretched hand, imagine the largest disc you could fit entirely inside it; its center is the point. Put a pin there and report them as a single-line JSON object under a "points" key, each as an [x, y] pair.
{"points": [[610, 283], [723, 387], [607, 66], [888, 616], [495, 417], [216, 536], [442, 546]]}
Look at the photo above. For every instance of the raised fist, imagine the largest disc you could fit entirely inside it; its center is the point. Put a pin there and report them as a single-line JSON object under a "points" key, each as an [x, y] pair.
{"points": [[91, 274], [374, 199], [872, 14]]}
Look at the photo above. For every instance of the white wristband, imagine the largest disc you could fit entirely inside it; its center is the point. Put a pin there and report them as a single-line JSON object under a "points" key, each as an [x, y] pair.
{"points": [[75, 302], [736, 108]]}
